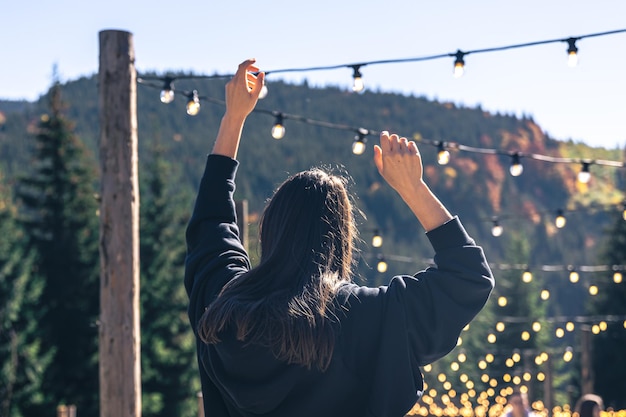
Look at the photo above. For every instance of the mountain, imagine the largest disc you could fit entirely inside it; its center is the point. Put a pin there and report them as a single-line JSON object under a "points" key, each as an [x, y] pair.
{"points": [[476, 186]]}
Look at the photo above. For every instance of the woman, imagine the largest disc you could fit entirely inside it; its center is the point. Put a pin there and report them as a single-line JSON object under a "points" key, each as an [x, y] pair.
{"points": [[294, 336]]}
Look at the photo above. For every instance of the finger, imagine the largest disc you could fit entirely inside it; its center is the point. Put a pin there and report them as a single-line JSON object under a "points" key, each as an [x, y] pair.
{"points": [[245, 64], [384, 141], [393, 142], [403, 145], [257, 85], [378, 158], [412, 146], [243, 68]]}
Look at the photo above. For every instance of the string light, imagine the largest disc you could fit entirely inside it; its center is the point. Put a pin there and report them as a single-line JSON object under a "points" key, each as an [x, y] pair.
{"points": [[560, 220], [572, 52], [167, 93], [377, 239], [496, 228], [358, 146], [278, 130], [193, 105], [459, 64], [527, 276], [443, 155], [516, 167], [381, 266], [357, 84], [584, 175], [617, 277], [573, 276]]}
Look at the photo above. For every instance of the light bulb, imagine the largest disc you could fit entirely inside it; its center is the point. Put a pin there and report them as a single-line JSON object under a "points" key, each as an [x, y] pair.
{"points": [[516, 167], [584, 175], [560, 219], [167, 93], [382, 265], [572, 52], [377, 239], [574, 277], [617, 277], [193, 105], [527, 276], [443, 155], [496, 229], [278, 130], [459, 64], [357, 85], [167, 96], [358, 146]]}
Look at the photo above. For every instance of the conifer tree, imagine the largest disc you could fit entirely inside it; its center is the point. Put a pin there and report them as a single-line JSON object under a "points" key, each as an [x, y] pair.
{"points": [[169, 371], [59, 216], [19, 292], [521, 332], [609, 346]]}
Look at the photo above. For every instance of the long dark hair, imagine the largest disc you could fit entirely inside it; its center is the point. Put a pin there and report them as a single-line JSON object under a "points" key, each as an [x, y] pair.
{"points": [[308, 236]]}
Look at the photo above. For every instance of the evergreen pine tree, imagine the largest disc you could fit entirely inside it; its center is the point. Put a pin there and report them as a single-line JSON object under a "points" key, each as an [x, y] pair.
{"points": [[169, 371], [20, 363], [609, 346], [60, 220], [521, 331]]}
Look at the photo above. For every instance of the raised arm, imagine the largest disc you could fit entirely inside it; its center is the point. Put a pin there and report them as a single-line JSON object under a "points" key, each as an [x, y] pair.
{"points": [[400, 163], [242, 94]]}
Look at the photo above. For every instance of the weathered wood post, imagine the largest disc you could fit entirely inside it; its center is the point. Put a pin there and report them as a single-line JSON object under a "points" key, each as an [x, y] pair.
{"points": [[120, 372]]}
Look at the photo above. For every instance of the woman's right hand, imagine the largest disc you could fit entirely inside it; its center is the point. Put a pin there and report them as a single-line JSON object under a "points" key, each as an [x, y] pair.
{"points": [[242, 91]]}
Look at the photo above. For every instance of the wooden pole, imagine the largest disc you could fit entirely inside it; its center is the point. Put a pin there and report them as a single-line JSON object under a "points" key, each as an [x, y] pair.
{"points": [[120, 372], [585, 361]]}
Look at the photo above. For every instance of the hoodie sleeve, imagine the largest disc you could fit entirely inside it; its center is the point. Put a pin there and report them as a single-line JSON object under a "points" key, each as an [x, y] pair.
{"points": [[416, 320], [215, 254]]}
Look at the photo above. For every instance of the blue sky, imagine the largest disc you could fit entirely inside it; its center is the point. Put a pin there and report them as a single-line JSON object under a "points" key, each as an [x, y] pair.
{"points": [[586, 103]]}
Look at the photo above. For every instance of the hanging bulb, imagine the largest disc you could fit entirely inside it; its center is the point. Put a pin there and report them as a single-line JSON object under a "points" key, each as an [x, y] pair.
{"points": [[573, 276], [617, 277], [193, 105], [443, 155], [527, 276], [572, 52], [357, 85], [496, 229], [278, 130], [560, 219], [459, 64], [377, 239], [381, 266], [167, 93], [516, 167], [584, 175], [624, 210], [358, 146]]}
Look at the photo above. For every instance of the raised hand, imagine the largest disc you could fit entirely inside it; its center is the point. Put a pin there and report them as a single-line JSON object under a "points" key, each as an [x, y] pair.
{"points": [[400, 164]]}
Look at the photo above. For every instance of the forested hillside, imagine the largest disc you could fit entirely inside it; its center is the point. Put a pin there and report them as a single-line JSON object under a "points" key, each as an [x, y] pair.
{"points": [[475, 185]]}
